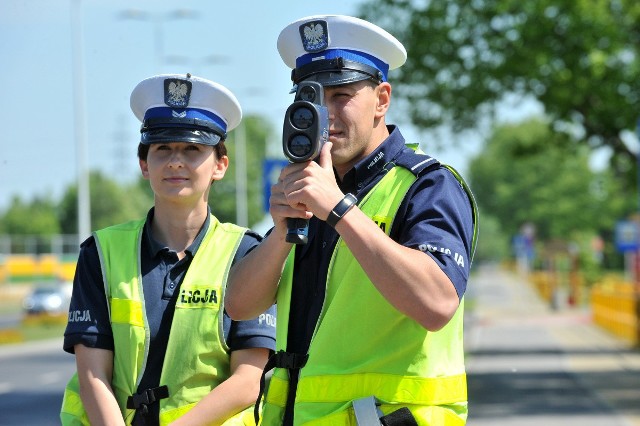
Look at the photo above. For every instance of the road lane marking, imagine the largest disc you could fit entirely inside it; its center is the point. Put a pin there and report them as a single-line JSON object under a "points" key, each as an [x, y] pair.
{"points": [[5, 388]]}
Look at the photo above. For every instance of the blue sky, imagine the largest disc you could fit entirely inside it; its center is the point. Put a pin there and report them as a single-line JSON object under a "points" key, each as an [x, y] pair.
{"points": [[123, 42]]}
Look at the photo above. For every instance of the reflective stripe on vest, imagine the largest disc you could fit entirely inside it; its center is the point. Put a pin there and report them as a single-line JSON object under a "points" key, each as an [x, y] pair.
{"points": [[399, 389]]}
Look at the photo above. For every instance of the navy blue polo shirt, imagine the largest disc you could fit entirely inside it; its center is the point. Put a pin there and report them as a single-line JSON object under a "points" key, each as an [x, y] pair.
{"points": [[435, 217], [162, 274]]}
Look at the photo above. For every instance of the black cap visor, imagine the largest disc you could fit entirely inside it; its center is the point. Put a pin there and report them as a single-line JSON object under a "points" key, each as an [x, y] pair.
{"points": [[334, 72], [168, 130], [175, 134]]}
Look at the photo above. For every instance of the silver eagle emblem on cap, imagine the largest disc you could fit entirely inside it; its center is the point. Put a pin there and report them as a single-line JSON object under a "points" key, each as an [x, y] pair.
{"points": [[315, 36], [177, 93]]}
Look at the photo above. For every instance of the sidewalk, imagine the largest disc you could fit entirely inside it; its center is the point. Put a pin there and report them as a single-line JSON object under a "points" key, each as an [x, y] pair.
{"points": [[530, 365]]}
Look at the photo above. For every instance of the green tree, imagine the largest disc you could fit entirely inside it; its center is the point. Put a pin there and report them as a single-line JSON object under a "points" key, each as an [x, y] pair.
{"points": [[111, 203], [579, 58], [37, 217], [222, 198], [493, 244], [529, 174]]}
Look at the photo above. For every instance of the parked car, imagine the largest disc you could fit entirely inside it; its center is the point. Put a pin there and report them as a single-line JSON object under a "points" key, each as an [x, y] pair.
{"points": [[48, 299]]}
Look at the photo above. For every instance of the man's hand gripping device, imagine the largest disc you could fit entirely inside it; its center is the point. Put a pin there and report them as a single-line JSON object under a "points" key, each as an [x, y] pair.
{"points": [[305, 131]]}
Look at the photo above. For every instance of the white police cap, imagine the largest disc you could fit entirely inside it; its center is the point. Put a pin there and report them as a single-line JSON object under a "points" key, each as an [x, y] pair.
{"points": [[184, 108], [338, 49]]}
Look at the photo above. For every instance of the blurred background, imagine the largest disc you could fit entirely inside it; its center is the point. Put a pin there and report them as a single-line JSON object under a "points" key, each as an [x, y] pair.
{"points": [[535, 103]]}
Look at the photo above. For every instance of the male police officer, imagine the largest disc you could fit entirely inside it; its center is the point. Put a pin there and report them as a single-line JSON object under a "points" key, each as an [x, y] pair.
{"points": [[370, 310]]}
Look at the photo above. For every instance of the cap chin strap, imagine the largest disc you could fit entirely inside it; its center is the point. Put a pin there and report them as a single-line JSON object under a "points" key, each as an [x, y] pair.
{"points": [[335, 65]]}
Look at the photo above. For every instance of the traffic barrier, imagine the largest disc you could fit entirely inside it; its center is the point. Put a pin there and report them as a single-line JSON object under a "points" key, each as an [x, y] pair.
{"points": [[45, 319], [9, 336], [615, 305], [559, 289], [36, 267], [544, 283]]}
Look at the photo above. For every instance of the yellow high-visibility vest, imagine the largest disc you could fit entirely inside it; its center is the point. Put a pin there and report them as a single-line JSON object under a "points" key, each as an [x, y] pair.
{"points": [[382, 353], [197, 356]]}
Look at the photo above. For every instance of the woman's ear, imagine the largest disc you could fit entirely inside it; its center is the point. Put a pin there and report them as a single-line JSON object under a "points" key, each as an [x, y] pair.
{"points": [[220, 168], [144, 168]]}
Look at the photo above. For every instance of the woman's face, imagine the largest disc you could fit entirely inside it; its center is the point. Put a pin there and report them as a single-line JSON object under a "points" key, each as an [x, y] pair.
{"points": [[182, 170]]}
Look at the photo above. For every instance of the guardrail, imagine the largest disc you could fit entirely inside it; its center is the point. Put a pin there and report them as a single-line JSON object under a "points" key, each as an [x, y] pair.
{"points": [[24, 267], [614, 302], [615, 305]]}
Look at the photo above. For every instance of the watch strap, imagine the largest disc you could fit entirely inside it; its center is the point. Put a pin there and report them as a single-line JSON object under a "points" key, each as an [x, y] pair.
{"points": [[341, 209]]}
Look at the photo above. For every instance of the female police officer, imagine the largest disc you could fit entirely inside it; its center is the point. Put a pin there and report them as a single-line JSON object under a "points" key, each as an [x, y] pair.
{"points": [[147, 324], [370, 309]]}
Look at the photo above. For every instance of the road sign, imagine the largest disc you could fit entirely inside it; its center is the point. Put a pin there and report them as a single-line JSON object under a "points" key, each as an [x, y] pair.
{"points": [[271, 168], [627, 236]]}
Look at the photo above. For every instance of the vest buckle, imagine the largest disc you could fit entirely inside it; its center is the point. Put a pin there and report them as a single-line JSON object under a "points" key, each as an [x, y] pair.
{"points": [[147, 397]]}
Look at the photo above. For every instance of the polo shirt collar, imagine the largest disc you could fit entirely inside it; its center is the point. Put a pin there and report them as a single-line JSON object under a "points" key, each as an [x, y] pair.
{"points": [[155, 247], [368, 168]]}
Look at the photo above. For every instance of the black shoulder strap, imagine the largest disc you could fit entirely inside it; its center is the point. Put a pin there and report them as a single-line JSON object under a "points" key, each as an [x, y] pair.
{"points": [[280, 359], [416, 162]]}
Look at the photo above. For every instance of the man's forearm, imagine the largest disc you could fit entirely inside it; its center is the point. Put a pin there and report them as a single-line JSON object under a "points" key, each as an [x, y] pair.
{"points": [[253, 280]]}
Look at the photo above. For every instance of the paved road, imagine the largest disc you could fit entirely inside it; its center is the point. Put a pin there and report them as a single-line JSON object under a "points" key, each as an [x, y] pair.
{"points": [[32, 380], [527, 365], [530, 365]]}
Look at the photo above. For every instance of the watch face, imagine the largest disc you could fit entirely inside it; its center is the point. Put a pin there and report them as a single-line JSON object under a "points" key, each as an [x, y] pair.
{"points": [[341, 209]]}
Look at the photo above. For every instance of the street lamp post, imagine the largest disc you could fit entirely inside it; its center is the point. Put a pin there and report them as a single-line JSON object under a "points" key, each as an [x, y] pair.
{"points": [[80, 128], [242, 210], [242, 194]]}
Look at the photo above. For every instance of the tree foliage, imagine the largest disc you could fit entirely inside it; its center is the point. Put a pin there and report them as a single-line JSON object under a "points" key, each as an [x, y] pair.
{"points": [[37, 217], [528, 174], [222, 198], [579, 58], [113, 202]]}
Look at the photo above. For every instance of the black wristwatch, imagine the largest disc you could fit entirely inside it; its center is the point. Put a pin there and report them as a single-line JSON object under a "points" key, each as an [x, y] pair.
{"points": [[341, 209]]}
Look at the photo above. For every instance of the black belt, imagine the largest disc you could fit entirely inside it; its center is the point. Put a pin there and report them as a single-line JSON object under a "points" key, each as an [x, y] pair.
{"points": [[142, 400]]}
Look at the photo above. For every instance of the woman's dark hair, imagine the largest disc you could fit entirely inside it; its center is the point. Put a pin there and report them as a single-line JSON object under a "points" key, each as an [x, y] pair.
{"points": [[220, 150]]}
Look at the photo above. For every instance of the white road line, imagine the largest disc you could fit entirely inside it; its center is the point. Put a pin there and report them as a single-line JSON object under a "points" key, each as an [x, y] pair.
{"points": [[5, 388], [51, 377]]}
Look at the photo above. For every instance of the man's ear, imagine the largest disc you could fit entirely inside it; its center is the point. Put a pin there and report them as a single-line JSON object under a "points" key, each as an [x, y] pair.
{"points": [[384, 98], [222, 164]]}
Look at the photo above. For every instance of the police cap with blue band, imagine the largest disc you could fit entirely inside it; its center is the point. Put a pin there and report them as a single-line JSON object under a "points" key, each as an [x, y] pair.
{"points": [[338, 49], [184, 108]]}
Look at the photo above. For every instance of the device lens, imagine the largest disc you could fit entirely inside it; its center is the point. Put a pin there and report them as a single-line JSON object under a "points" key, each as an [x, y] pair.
{"points": [[300, 145], [302, 118]]}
